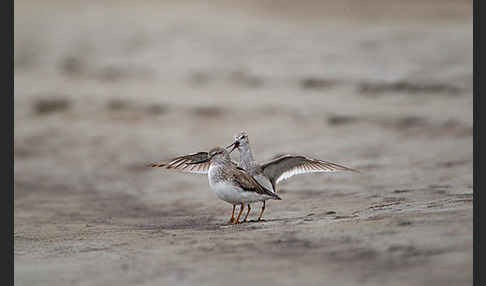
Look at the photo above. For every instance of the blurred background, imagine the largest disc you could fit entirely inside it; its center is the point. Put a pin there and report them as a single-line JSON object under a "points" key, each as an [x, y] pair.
{"points": [[104, 87]]}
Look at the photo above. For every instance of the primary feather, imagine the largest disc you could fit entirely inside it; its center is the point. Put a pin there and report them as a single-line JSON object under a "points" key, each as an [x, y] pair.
{"points": [[287, 166]]}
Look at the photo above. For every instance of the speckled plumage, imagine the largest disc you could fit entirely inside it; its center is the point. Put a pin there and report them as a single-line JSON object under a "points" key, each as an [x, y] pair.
{"points": [[230, 183], [240, 186], [282, 167]]}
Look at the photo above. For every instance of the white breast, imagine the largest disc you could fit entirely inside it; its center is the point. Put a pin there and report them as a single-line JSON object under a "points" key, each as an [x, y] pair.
{"points": [[211, 171], [231, 193], [227, 193]]}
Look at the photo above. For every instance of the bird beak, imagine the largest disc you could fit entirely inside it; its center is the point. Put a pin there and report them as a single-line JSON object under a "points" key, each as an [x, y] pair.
{"points": [[234, 144]]}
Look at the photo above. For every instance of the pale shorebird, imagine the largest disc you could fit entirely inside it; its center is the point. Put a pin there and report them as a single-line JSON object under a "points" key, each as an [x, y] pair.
{"points": [[270, 173], [230, 183], [267, 174]]}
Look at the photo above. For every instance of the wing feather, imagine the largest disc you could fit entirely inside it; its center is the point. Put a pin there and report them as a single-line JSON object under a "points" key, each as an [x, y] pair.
{"points": [[287, 166], [180, 163], [249, 184]]}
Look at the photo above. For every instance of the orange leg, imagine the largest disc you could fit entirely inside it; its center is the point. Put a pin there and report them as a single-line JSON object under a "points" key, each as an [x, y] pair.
{"points": [[239, 214], [247, 213], [232, 219], [261, 213]]}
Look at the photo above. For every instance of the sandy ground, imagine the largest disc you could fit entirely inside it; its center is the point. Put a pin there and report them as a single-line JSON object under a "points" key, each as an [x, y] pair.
{"points": [[104, 87]]}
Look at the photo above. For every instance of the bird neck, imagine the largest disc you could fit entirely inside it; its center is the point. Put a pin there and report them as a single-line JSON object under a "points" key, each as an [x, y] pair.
{"points": [[246, 157], [221, 160]]}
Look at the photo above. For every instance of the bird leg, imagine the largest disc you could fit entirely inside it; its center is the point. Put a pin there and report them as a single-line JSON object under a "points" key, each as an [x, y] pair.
{"points": [[247, 213], [261, 213], [239, 214], [232, 219]]}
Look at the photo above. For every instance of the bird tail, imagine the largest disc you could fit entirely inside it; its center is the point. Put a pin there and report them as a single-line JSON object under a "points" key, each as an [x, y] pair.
{"points": [[275, 196], [270, 193]]}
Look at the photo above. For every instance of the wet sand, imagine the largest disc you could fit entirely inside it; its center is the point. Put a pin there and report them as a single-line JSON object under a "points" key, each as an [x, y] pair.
{"points": [[102, 88]]}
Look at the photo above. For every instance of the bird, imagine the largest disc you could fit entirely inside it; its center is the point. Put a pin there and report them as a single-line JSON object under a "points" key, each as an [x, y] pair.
{"points": [[231, 183], [281, 167], [268, 174]]}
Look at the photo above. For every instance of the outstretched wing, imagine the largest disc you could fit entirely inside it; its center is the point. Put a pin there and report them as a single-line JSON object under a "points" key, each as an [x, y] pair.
{"points": [[287, 166], [180, 163], [249, 184]]}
